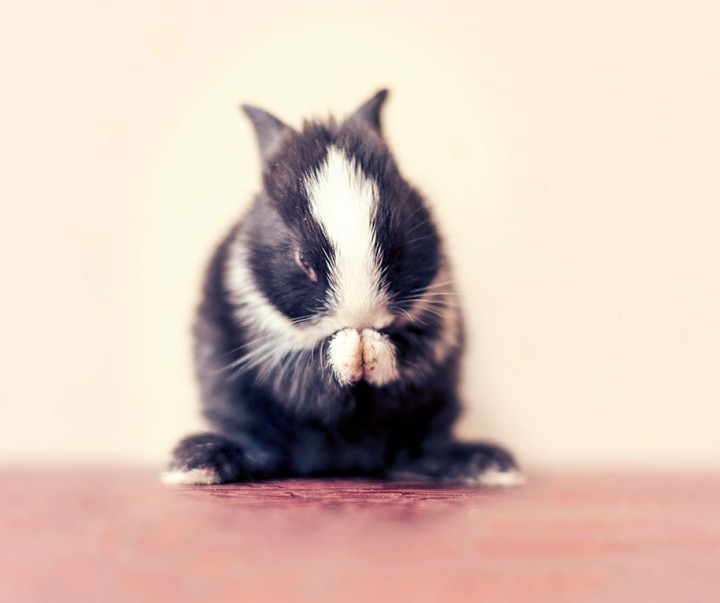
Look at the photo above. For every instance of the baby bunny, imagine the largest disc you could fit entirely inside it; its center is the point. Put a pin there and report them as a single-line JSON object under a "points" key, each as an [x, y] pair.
{"points": [[329, 335]]}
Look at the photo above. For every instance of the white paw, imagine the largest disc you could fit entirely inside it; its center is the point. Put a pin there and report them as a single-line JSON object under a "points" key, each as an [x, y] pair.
{"points": [[379, 361], [204, 476], [368, 355], [496, 477], [346, 356]]}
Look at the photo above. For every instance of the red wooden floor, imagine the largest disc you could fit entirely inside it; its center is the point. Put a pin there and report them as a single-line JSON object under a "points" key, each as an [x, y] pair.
{"points": [[118, 535]]}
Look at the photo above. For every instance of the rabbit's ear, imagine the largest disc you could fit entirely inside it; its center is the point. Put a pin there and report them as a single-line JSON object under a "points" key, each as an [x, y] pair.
{"points": [[369, 112], [269, 130]]}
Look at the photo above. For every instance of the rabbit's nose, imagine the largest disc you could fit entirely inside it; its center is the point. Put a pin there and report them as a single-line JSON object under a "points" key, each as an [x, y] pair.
{"points": [[376, 320]]}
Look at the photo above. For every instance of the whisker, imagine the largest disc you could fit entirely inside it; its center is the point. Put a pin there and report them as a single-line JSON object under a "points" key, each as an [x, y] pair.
{"points": [[418, 239], [412, 318], [428, 289], [436, 294], [436, 285], [419, 225], [253, 343], [434, 312], [439, 304], [443, 300], [302, 319], [260, 353]]}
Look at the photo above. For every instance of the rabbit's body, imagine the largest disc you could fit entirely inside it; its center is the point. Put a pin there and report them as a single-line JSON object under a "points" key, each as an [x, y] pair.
{"points": [[329, 335]]}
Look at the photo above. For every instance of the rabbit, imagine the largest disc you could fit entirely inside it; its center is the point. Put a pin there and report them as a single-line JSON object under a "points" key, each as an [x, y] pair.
{"points": [[329, 335]]}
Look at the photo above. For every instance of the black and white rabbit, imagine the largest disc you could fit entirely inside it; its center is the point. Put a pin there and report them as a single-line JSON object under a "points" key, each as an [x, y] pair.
{"points": [[328, 338]]}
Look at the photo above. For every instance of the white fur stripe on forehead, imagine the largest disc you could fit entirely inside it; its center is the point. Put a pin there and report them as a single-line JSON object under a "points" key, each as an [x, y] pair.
{"points": [[344, 202]]}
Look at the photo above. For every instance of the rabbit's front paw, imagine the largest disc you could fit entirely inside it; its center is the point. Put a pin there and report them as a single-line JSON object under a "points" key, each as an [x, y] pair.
{"points": [[345, 356], [369, 355], [379, 360]]}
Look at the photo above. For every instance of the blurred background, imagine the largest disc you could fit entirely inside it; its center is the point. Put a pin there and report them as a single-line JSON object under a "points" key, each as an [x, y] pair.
{"points": [[570, 149]]}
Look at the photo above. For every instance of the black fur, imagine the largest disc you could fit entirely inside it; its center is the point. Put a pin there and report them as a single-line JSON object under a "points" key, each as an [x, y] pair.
{"points": [[292, 417]]}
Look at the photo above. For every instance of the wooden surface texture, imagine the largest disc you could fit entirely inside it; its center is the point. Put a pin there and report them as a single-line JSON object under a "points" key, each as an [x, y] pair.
{"points": [[107, 535]]}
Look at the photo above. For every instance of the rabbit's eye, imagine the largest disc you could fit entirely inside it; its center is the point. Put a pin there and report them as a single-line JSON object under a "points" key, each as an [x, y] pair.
{"points": [[305, 266]]}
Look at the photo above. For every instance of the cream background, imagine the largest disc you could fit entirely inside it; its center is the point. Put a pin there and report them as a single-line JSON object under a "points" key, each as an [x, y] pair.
{"points": [[571, 151]]}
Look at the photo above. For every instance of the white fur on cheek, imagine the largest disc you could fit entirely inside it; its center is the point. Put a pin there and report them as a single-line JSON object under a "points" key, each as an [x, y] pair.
{"points": [[255, 311], [346, 356], [204, 476], [379, 361], [344, 202]]}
